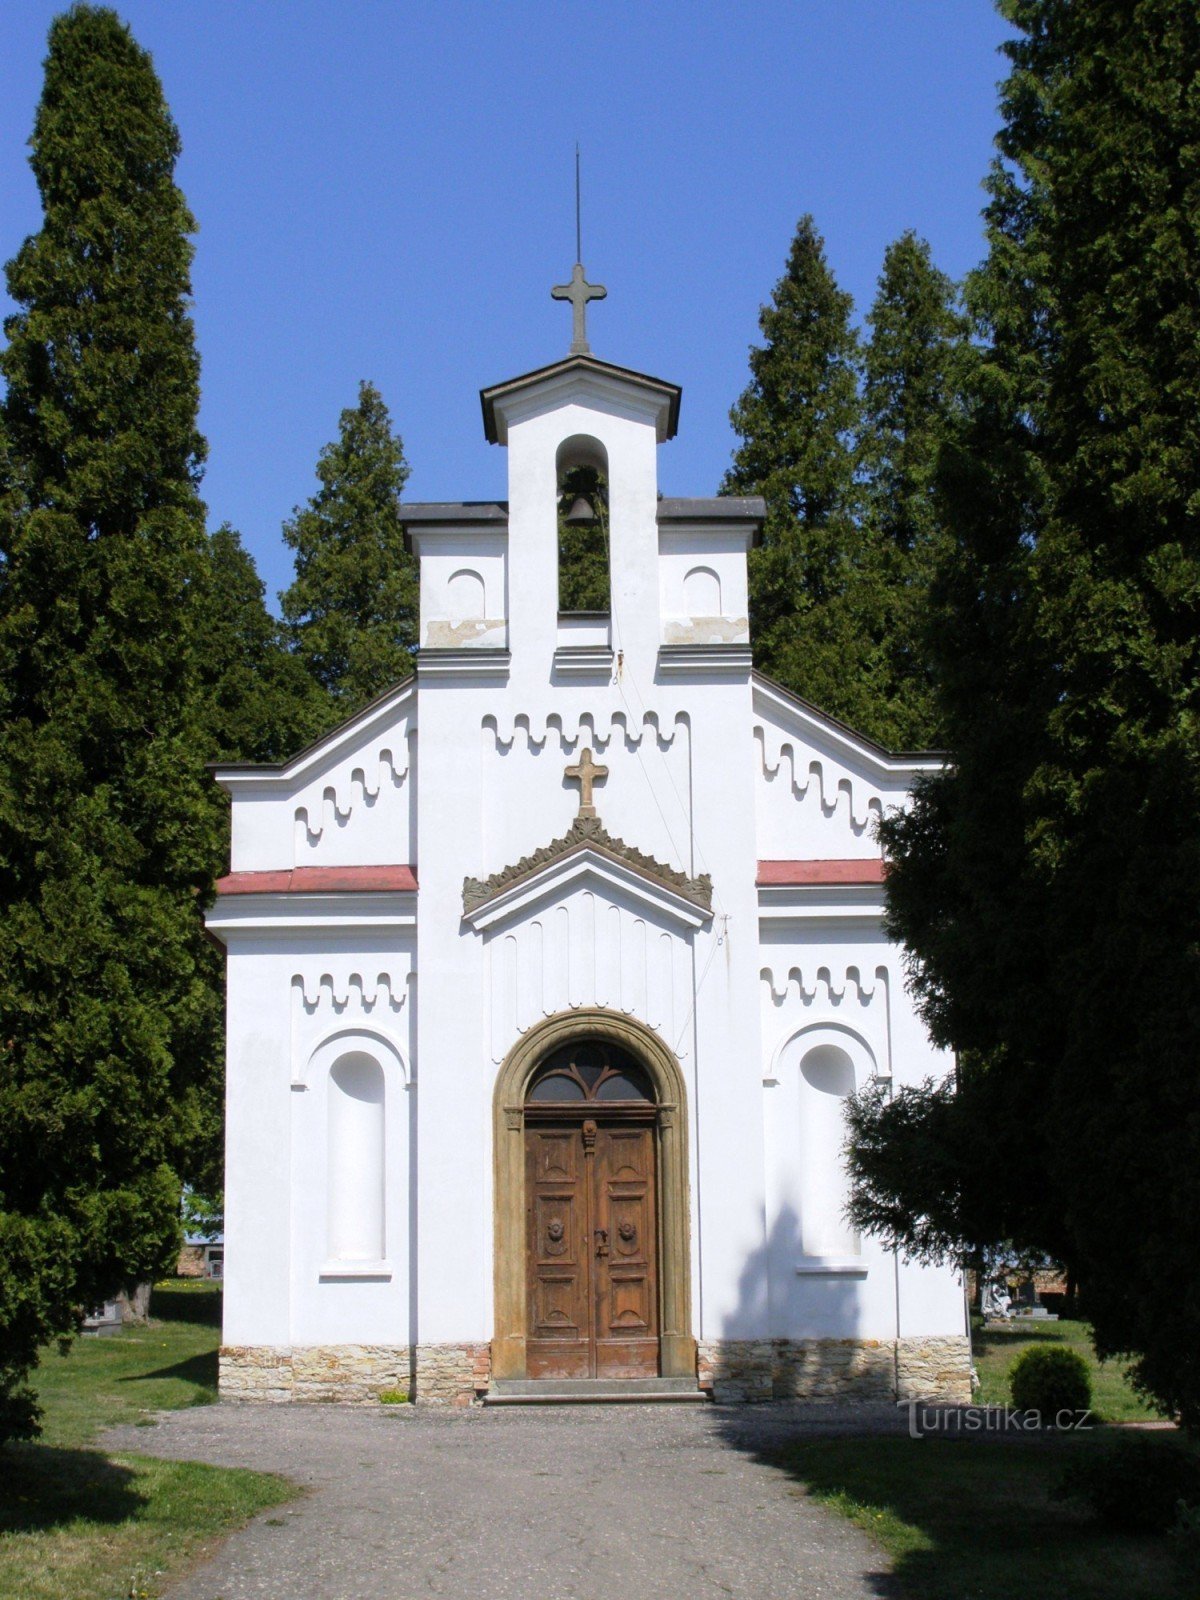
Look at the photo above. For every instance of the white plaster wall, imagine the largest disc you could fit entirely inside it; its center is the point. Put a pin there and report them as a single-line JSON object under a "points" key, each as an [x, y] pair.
{"points": [[350, 805], [464, 588], [702, 586], [526, 799], [823, 985], [813, 804], [629, 441], [591, 947], [699, 778], [297, 1004]]}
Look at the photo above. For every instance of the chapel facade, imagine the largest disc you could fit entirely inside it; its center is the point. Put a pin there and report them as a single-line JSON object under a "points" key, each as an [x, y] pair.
{"points": [[549, 974]]}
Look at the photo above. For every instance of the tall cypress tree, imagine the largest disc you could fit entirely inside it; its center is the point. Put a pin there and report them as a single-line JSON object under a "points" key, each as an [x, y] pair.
{"points": [[257, 701], [913, 366], [107, 1018], [1050, 884], [352, 609], [799, 420]]}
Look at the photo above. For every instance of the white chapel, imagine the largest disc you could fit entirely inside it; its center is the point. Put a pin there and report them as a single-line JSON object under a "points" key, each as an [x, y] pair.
{"points": [[549, 973]]}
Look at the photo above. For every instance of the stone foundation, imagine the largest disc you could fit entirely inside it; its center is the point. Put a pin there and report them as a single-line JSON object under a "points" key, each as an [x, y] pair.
{"points": [[354, 1374], [736, 1370], [746, 1370], [935, 1369], [452, 1374]]}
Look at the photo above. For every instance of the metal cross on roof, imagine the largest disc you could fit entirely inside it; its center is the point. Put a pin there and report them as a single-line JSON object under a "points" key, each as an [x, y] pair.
{"points": [[585, 772], [579, 291]]}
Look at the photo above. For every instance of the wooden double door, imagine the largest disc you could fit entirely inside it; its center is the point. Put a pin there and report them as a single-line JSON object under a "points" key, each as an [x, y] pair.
{"points": [[592, 1242]]}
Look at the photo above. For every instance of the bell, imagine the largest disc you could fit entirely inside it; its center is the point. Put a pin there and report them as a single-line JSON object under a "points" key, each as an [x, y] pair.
{"points": [[581, 514]]}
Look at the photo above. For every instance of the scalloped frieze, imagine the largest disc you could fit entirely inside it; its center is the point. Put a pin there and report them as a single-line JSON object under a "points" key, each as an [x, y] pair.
{"points": [[315, 822], [370, 994], [829, 986], [533, 733], [830, 789]]}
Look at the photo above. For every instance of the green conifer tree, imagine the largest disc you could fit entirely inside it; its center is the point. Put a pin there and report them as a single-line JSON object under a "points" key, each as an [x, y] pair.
{"points": [[913, 367], [108, 1020], [815, 582], [352, 609], [1049, 884], [257, 700]]}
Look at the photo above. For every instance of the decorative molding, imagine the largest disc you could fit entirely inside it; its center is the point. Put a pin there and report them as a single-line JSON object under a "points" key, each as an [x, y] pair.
{"points": [[831, 1267], [828, 792], [378, 1271], [587, 833], [714, 660], [511, 1299], [586, 729], [383, 993], [583, 661], [852, 984], [336, 809], [797, 874], [321, 880], [480, 662]]}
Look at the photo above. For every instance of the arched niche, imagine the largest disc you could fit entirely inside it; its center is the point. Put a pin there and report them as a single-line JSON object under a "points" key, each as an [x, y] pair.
{"points": [[340, 1106], [677, 1346], [702, 593], [356, 1159], [822, 1065], [466, 599]]}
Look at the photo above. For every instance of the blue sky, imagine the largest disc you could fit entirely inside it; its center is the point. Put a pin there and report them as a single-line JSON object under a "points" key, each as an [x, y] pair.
{"points": [[385, 190]]}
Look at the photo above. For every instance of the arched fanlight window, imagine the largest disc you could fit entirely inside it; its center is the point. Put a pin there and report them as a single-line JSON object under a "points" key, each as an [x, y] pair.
{"points": [[590, 1071]]}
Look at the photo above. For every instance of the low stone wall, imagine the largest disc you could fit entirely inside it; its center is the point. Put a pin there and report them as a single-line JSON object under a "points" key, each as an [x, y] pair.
{"points": [[935, 1369], [736, 1370], [452, 1374], [745, 1370], [354, 1374]]}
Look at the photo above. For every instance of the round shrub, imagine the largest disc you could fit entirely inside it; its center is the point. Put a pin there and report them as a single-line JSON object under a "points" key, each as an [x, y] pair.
{"points": [[1050, 1379], [1136, 1484]]}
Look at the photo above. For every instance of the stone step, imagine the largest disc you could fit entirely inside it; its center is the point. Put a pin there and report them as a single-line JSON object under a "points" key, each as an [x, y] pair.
{"points": [[592, 1391]]}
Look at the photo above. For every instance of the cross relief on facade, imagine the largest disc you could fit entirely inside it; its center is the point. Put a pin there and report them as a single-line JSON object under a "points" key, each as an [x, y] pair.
{"points": [[586, 772]]}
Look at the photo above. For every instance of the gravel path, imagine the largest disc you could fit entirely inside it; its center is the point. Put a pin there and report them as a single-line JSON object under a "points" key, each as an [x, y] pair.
{"points": [[578, 1503]]}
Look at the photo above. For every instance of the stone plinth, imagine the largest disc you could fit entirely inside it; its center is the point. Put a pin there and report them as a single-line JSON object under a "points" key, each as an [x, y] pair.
{"points": [[354, 1374], [743, 1370], [451, 1374]]}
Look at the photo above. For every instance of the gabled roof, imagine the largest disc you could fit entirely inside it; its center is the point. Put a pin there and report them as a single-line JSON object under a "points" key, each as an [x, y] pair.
{"points": [[586, 848], [668, 394], [238, 773], [891, 763]]}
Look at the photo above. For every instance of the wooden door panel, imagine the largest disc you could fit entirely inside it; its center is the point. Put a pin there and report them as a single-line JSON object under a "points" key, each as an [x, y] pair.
{"points": [[626, 1289], [559, 1341], [592, 1251]]}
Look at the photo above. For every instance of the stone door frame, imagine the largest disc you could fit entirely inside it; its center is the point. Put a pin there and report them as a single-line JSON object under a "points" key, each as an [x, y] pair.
{"points": [[676, 1344]]}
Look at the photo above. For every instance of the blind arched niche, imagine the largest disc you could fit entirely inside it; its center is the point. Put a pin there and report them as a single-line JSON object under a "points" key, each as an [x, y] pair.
{"points": [[355, 1159]]}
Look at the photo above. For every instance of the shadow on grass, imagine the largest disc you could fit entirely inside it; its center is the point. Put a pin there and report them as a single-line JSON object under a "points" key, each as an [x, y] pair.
{"points": [[968, 1517], [200, 1370], [189, 1300], [41, 1488]]}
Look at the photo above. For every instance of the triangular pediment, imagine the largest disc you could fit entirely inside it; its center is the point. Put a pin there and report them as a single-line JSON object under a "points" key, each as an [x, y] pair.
{"points": [[585, 851]]}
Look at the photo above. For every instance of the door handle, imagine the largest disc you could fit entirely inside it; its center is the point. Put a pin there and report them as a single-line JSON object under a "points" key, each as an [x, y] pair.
{"points": [[601, 1241]]}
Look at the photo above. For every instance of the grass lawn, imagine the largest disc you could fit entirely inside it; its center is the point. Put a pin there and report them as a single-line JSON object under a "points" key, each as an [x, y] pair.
{"points": [[995, 1350], [80, 1524], [973, 1520]]}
